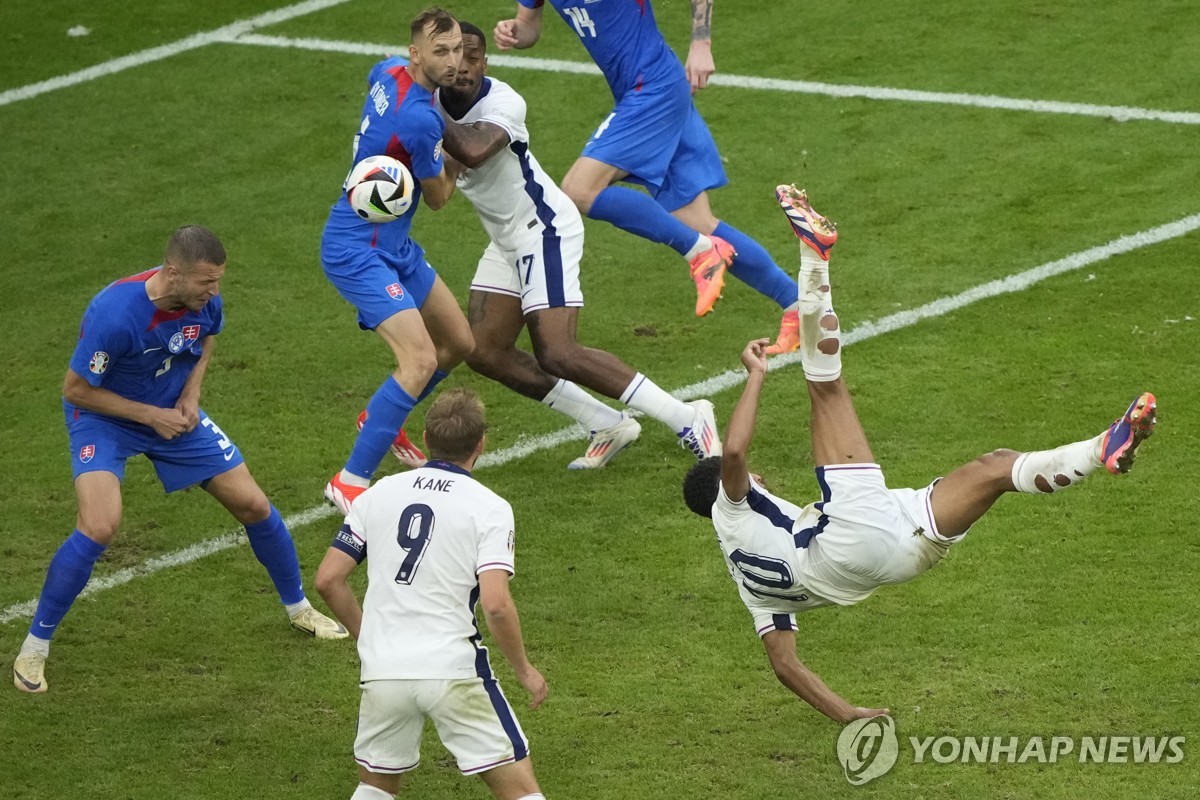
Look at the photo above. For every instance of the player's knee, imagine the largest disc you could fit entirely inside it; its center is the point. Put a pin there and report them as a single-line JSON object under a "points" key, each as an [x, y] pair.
{"points": [[99, 528], [558, 359], [459, 347], [581, 192], [418, 363], [255, 508], [998, 464]]}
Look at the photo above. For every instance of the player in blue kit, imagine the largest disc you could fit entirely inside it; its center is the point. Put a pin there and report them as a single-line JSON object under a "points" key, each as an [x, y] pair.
{"points": [[133, 387], [655, 137], [380, 269]]}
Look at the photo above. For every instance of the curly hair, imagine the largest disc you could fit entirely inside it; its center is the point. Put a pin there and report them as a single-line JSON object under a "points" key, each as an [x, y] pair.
{"points": [[700, 485]]}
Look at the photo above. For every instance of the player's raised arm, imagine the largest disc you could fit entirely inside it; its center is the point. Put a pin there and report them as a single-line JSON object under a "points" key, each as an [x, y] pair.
{"points": [[472, 145], [781, 650], [700, 66], [735, 477], [521, 32], [500, 614]]}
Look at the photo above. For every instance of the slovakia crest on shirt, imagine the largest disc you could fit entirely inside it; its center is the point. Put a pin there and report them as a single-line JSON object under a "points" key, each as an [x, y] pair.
{"points": [[396, 291], [184, 338], [99, 362], [86, 452]]}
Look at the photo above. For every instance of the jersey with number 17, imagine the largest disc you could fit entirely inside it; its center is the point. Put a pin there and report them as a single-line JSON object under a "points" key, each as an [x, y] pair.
{"points": [[426, 534], [624, 40], [131, 347]]}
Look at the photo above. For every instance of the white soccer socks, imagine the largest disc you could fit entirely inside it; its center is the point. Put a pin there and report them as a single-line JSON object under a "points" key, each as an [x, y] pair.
{"points": [[567, 398], [643, 395], [820, 332], [1049, 471], [365, 792]]}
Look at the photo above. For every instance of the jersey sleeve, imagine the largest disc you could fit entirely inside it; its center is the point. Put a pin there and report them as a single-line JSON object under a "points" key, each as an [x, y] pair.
{"points": [[506, 109], [216, 315], [103, 340], [531, 3], [351, 538], [421, 135], [765, 618], [498, 540]]}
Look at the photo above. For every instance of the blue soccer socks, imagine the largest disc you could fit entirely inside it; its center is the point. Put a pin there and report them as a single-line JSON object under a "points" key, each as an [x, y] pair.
{"points": [[386, 412], [638, 213], [68, 574], [754, 266], [275, 550]]}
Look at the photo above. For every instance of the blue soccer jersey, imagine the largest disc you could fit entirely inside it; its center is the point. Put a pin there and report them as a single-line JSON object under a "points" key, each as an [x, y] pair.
{"points": [[399, 120], [131, 347], [623, 39]]}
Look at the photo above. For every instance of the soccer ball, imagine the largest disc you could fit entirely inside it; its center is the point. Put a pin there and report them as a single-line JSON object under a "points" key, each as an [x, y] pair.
{"points": [[379, 188]]}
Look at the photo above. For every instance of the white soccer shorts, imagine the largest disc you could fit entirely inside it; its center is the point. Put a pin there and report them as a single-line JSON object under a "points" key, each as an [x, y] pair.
{"points": [[879, 535], [544, 273], [472, 717]]}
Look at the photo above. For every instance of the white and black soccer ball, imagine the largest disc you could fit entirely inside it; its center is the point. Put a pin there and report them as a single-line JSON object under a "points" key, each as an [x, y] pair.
{"points": [[379, 188]]}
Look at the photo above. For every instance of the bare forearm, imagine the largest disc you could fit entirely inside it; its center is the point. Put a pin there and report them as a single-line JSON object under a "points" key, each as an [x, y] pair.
{"points": [[344, 605], [110, 404], [702, 20], [812, 690], [740, 429], [191, 388], [505, 627]]}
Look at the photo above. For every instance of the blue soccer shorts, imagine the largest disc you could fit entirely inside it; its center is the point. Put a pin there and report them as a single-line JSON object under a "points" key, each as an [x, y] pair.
{"points": [[660, 139], [102, 444], [377, 284]]}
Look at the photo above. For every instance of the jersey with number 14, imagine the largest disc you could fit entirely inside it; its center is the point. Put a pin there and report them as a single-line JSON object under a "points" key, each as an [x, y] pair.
{"points": [[131, 347], [426, 535], [623, 39]]}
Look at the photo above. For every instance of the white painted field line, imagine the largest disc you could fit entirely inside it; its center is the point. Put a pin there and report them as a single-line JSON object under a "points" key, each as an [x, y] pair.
{"points": [[221, 34], [1120, 113], [717, 383]]}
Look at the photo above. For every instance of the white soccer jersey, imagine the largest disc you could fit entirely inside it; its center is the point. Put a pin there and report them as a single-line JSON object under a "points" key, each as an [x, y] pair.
{"points": [[426, 534], [859, 536], [512, 194], [758, 538]]}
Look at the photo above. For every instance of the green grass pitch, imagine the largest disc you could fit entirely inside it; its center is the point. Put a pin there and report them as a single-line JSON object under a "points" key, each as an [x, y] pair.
{"points": [[1065, 616]]}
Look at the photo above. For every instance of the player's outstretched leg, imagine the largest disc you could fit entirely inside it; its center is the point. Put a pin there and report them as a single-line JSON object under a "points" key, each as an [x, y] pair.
{"points": [[497, 321], [752, 265], [553, 334], [66, 577], [273, 547], [964, 495], [837, 435], [588, 184]]}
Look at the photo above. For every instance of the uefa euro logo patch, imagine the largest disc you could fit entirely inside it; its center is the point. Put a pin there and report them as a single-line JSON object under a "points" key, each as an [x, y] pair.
{"points": [[99, 362], [184, 338], [396, 291], [86, 452]]}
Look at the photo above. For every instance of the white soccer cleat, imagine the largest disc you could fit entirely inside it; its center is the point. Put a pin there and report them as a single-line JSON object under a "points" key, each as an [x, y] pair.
{"points": [[701, 436], [29, 672], [317, 625], [606, 443]]}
